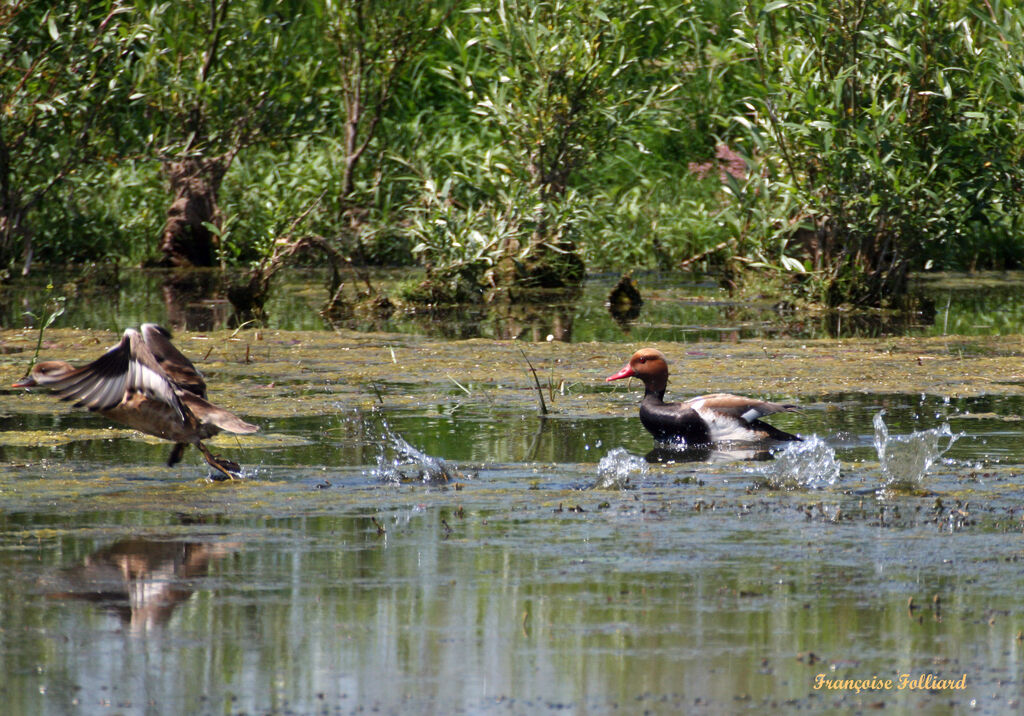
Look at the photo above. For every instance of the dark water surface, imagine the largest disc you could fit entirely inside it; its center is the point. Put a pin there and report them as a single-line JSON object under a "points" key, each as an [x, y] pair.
{"points": [[321, 585]]}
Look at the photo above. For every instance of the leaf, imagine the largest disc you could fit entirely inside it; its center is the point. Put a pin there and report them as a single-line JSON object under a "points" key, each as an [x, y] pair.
{"points": [[792, 264]]}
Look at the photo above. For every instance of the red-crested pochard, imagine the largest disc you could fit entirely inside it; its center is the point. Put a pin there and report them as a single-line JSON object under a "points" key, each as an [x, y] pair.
{"points": [[146, 383], [706, 419]]}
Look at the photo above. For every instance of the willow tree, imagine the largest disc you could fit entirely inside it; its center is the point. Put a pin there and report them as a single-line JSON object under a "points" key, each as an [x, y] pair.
{"points": [[65, 73], [372, 54], [217, 77], [380, 51], [553, 86], [894, 131]]}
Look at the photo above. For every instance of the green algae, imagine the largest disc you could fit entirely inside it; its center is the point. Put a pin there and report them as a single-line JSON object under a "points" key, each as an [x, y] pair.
{"points": [[43, 438], [275, 374]]}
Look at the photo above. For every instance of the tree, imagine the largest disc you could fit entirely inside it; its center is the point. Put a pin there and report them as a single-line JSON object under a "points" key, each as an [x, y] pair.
{"points": [[216, 78], [65, 74], [556, 84], [373, 51], [897, 126]]}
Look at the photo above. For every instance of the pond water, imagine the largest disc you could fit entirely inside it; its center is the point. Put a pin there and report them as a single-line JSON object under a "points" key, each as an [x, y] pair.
{"points": [[412, 537], [675, 308]]}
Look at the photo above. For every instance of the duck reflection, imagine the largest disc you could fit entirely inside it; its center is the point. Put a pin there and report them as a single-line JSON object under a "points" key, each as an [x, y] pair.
{"points": [[139, 580], [708, 453]]}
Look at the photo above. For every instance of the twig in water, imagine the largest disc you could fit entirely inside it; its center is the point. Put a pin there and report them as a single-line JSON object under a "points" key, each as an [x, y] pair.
{"points": [[379, 526], [377, 391], [240, 327], [460, 385], [536, 381]]}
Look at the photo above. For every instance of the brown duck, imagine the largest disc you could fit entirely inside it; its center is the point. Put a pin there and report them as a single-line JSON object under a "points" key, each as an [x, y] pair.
{"points": [[704, 420], [146, 383]]}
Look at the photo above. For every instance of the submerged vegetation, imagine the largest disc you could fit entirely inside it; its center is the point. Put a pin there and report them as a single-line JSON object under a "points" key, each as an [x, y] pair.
{"points": [[504, 143]]}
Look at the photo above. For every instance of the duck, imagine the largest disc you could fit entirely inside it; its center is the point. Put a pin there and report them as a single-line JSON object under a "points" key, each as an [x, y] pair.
{"points": [[704, 420], [146, 383]]}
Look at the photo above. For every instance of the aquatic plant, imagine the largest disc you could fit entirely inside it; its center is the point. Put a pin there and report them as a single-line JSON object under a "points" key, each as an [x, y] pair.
{"points": [[56, 304]]}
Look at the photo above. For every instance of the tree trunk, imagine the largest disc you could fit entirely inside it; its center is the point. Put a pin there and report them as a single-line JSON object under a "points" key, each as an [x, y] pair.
{"points": [[185, 239]]}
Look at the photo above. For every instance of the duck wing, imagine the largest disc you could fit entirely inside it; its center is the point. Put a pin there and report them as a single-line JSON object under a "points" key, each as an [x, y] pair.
{"points": [[126, 368], [746, 409], [178, 369]]}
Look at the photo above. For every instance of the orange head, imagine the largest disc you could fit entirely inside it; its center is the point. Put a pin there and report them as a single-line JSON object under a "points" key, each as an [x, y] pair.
{"points": [[649, 365]]}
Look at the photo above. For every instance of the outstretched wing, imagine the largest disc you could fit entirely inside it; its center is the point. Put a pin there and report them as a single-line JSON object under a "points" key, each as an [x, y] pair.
{"points": [[126, 368], [178, 369]]}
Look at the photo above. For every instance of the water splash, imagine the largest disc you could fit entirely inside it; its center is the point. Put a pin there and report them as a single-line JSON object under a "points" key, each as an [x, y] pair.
{"points": [[399, 461], [905, 459], [809, 464], [617, 467]]}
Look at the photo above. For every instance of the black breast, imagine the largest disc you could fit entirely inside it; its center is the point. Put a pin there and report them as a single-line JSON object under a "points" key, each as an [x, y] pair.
{"points": [[667, 421]]}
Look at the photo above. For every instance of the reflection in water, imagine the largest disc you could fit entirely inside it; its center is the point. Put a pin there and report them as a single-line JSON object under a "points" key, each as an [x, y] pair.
{"points": [[718, 453], [677, 596], [140, 580], [675, 307], [461, 611], [545, 313], [195, 300], [624, 302]]}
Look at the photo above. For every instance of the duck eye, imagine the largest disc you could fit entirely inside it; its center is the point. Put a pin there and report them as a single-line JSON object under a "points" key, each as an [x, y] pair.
{"points": [[643, 359]]}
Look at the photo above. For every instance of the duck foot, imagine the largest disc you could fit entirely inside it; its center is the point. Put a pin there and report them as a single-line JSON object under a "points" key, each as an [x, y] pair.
{"points": [[226, 469]]}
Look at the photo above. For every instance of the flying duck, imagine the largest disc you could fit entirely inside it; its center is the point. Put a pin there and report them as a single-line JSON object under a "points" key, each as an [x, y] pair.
{"points": [[146, 383]]}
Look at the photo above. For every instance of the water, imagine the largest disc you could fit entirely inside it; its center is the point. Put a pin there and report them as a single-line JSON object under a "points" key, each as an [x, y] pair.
{"points": [[808, 464], [401, 462], [676, 308], [406, 545], [619, 469], [905, 459]]}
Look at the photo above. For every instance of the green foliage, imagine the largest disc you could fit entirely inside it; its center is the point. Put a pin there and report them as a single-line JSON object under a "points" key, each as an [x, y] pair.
{"points": [[896, 127], [108, 211], [554, 86], [499, 142], [212, 77], [64, 79]]}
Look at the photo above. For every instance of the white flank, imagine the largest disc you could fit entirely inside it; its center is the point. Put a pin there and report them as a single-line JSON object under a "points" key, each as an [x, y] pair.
{"points": [[724, 428]]}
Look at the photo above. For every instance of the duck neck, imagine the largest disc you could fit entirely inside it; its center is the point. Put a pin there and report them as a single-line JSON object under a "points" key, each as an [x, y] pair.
{"points": [[655, 389]]}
